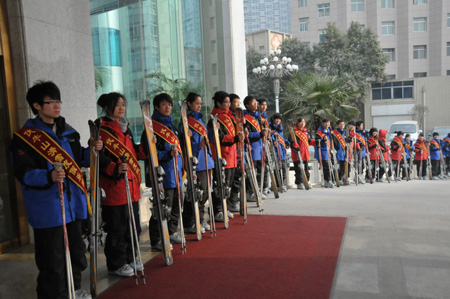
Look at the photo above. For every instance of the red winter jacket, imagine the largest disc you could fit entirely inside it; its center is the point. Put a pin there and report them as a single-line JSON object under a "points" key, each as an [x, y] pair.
{"points": [[421, 150], [304, 150], [372, 143], [397, 148], [227, 140], [110, 181], [383, 146]]}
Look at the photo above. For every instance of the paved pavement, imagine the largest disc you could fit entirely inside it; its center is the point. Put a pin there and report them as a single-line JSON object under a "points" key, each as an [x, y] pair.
{"points": [[396, 244], [397, 240]]}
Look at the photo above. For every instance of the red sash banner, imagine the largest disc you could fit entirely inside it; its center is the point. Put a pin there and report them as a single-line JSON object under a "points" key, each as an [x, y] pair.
{"points": [[167, 134], [339, 138], [228, 123], [253, 122], [303, 137], [408, 146], [266, 123], [197, 126], [361, 139], [422, 147], [118, 149], [435, 144], [323, 136], [53, 152], [281, 141], [399, 141]]}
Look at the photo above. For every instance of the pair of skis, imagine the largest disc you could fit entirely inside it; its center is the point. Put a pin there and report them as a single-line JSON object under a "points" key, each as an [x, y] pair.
{"points": [[297, 151]]}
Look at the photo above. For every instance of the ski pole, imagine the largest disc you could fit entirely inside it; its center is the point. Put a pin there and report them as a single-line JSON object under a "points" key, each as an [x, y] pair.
{"points": [[211, 212], [180, 206], [133, 230], [70, 283]]}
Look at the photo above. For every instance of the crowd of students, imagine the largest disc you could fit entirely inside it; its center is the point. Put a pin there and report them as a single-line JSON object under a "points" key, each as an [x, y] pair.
{"points": [[47, 139]]}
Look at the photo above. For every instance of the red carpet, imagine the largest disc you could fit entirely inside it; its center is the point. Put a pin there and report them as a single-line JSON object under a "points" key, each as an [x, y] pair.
{"points": [[269, 257]]}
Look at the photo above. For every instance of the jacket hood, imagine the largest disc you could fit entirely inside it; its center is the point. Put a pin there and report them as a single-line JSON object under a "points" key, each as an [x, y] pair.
{"points": [[165, 120], [220, 111], [382, 133]]}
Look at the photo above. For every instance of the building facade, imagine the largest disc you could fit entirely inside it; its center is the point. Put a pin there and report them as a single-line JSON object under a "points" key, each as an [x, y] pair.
{"points": [[265, 40], [263, 14], [93, 47]]}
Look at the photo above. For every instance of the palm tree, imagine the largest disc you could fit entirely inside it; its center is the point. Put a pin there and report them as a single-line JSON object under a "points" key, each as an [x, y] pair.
{"points": [[314, 97]]}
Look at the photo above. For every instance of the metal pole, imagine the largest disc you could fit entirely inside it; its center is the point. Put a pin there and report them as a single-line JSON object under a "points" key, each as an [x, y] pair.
{"points": [[276, 90]]}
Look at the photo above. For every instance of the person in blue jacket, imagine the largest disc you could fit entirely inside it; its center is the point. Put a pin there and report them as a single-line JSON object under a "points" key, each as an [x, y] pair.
{"points": [[277, 129], [256, 132], [435, 156], [409, 149], [339, 145], [162, 104], [446, 152], [322, 143], [204, 167], [39, 182], [362, 154]]}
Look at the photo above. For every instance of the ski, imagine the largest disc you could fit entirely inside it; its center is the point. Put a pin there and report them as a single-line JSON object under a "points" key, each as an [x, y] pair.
{"points": [[252, 176], [220, 189], [383, 163], [156, 172], [95, 197], [239, 114], [273, 168], [297, 151], [334, 163], [190, 163]]}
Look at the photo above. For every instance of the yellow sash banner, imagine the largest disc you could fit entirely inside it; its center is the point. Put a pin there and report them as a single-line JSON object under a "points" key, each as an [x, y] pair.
{"points": [[197, 126], [228, 123], [118, 149], [339, 138], [253, 122], [167, 134]]}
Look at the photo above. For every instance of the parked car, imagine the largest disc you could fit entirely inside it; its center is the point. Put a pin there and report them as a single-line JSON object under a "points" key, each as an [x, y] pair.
{"points": [[442, 130], [407, 126]]}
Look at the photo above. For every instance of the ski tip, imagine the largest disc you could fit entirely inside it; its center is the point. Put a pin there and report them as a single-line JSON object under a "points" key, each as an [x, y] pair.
{"points": [[144, 102]]}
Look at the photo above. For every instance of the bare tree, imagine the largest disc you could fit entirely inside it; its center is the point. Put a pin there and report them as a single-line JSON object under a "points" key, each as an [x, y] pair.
{"points": [[419, 111]]}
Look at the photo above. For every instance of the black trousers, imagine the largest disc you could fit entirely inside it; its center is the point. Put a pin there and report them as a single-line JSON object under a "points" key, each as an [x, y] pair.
{"points": [[118, 248], [236, 186], [229, 178], [436, 167], [447, 163], [257, 165], [298, 173], [188, 210], [51, 262], [326, 170], [408, 170], [424, 167], [171, 199]]}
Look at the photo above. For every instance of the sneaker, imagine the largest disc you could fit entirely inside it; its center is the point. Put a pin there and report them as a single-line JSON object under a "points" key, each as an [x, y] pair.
{"points": [[190, 230], [284, 189], [251, 198], [159, 247], [205, 225], [436, 178], [266, 191], [125, 271], [329, 185], [361, 180], [263, 196], [234, 207], [441, 177], [82, 294], [230, 215], [300, 187], [382, 180], [139, 265], [424, 178], [202, 230], [175, 238], [399, 179], [219, 217]]}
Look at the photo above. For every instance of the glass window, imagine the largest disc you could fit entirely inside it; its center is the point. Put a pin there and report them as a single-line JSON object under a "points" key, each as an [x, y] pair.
{"points": [[448, 72], [398, 93], [407, 92], [420, 24], [304, 24], [387, 3], [390, 53], [324, 10], [321, 34], [386, 93], [448, 20], [213, 46], [388, 28], [302, 3], [376, 94], [212, 21], [214, 69], [391, 77], [392, 90], [448, 49], [357, 5], [420, 1], [261, 48], [420, 52], [420, 75], [106, 45]]}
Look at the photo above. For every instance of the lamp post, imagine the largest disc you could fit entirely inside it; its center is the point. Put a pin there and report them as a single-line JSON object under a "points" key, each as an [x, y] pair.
{"points": [[275, 68]]}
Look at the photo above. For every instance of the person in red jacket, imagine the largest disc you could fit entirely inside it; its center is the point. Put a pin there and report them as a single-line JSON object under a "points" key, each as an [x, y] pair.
{"points": [[118, 142], [385, 151], [421, 157], [397, 149], [302, 142], [228, 140], [372, 144]]}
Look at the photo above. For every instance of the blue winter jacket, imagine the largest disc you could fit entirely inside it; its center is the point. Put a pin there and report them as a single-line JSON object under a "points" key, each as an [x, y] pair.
{"points": [[323, 145], [340, 151], [40, 193], [434, 150], [363, 148], [446, 146], [407, 151], [279, 130], [254, 137], [164, 153], [196, 139]]}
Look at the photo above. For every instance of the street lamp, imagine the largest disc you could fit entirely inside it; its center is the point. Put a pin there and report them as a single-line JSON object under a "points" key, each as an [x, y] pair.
{"points": [[275, 68]]}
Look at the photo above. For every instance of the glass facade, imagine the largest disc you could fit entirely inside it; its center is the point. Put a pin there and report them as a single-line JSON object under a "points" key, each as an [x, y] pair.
{"points": [[139, 44], [273, 15]]}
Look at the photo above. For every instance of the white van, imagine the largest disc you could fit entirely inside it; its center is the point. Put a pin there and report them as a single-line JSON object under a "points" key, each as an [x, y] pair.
{"points": [[410, 127]]}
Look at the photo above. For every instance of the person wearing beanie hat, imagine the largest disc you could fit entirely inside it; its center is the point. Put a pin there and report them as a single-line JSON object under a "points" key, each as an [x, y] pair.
{"points": [[409, 149]]}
